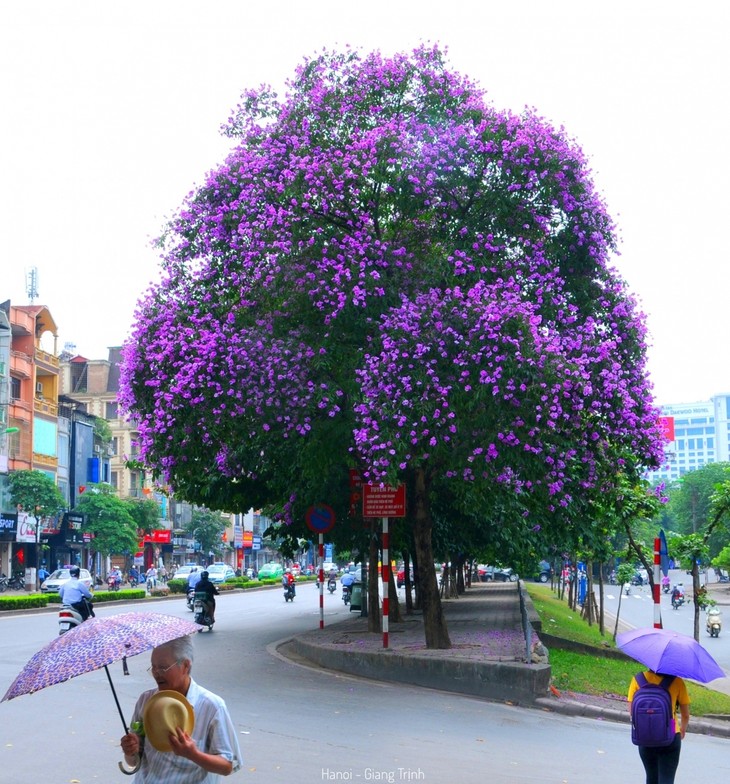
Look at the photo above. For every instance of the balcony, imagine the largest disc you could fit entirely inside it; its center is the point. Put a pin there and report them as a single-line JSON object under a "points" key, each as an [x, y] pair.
{"points": [[44, 358], [21, 364], [44, 460], [45, 407]]}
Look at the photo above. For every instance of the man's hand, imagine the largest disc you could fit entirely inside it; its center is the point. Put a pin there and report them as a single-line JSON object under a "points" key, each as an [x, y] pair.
{"points": [[182, 744]]}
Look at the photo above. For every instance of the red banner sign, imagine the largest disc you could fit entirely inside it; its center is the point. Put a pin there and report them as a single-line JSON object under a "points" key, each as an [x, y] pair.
{"points": [[383, 501]]}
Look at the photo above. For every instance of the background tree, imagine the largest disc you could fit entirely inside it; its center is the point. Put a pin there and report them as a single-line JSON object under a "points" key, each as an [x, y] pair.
{"points": [[36, 494], [207, 527], [145, 512], [624, 573], [108, 518], [391, 275]]}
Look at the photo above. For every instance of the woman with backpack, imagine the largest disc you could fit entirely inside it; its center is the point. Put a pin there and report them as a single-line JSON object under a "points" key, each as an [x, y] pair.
{"points": [[654, 699]]}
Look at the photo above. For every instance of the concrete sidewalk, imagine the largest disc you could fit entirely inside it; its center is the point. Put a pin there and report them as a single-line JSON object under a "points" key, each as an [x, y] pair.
{"points": [[488, 657]]}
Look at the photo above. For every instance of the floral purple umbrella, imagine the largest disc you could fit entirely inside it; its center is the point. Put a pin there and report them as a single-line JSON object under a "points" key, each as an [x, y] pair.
{"points": [[670, 653], [94, 644]]}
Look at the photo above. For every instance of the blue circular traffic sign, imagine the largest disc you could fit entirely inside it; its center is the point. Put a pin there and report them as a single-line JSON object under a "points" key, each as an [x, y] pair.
{"points": [[320, 518]]}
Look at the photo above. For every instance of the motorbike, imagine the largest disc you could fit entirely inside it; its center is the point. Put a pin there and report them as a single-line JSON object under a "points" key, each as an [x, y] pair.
{"points": [[346, 594], [191, 599], [332, 585], [289, 592], [3, 583], [714, 622], [200, 610], [69, 617], [16, 582], [665, 584], [113, 583], [677, 599]]}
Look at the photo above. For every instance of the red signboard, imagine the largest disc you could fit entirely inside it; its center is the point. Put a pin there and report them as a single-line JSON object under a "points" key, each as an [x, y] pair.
{"points": [[666, 425], [159, 537], [383, 501]]}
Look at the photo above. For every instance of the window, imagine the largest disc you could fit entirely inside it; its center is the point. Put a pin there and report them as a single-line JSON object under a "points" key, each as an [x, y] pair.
{"points": [[115, 480], [112, 410], [15, 388], [115, 446]]}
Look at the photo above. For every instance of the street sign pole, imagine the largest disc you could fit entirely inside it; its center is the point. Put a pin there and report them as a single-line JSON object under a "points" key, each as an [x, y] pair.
{"points": [[320, 520], [657, 583], [386, 581], [321, 581]]}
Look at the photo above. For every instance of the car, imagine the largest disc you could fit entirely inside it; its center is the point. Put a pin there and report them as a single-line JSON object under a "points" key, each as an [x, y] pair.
{"points": [[61, 576], [485, 573], [400, 577], [329, 566], [270, 570], [544, 572], [219, 573], [505, 575], [183, 572]]}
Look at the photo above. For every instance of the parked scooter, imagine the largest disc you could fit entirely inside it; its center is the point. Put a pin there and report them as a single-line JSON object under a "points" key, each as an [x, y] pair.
{"points": [[714, 622], [69, 617], [200, 610]]}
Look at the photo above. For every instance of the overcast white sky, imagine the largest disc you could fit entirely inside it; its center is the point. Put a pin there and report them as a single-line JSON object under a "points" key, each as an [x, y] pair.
{"points": [[110, 113]]}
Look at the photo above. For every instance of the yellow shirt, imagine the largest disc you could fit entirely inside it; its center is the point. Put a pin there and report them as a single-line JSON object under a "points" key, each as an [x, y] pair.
{"points": [[677, 690]]}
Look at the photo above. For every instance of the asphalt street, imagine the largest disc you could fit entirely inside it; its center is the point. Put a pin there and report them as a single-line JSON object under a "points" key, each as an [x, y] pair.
{"points": [[297, 723]]}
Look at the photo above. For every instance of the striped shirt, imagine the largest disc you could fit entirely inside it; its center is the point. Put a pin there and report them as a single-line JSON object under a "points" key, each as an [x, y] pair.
{"points": [[213, 733]]}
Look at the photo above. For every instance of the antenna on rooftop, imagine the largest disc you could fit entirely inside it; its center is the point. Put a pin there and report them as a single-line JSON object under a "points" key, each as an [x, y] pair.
{"points": [[31, 283]]}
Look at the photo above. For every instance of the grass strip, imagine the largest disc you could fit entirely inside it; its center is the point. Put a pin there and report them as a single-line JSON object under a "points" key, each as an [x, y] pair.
{"points": [[598, 675]]}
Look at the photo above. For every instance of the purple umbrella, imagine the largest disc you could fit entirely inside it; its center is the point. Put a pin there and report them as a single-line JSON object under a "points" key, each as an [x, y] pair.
{"points": [[94, 644], [670, 653]]}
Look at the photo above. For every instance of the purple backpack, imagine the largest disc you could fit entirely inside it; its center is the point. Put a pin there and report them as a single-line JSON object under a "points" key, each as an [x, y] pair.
{"points": [[652, 713]]}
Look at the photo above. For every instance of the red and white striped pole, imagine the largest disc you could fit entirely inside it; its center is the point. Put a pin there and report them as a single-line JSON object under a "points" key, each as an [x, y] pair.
{"points": [[657, 583], [386, 580], [321, 581]]}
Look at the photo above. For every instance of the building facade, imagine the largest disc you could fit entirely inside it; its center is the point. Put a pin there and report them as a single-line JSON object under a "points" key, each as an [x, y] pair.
{"points": [[698, 434]]}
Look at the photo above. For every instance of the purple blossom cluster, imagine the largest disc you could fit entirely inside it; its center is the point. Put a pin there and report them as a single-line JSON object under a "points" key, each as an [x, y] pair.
{"points": [[385, 248]]}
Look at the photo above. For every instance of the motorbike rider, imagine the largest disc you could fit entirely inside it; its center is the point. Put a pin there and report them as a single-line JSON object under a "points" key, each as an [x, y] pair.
{"points": [[677, 594], [204, 585], [133, 576], [193, 578], [115, 576], [75, 594], [289, 582]]}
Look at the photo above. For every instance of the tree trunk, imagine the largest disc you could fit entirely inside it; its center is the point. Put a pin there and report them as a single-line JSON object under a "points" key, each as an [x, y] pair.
{"points": [[601, 616], [434, 623], [373, 593], [695, 594]]}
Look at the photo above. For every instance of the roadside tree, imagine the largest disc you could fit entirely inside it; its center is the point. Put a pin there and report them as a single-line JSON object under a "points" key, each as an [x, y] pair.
{"points": [[107, 518], [391, 275], [36, 494]]}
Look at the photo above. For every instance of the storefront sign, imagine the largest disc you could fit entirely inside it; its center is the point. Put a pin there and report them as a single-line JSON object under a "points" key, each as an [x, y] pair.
{"points": [[8, 526]]}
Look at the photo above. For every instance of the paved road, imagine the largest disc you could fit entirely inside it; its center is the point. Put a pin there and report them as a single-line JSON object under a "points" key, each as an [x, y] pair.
{"points": [[302, 725]]}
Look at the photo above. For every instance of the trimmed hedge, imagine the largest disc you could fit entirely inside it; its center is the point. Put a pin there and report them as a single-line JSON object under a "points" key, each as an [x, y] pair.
{"points": [[23, 602], [106, 596]]}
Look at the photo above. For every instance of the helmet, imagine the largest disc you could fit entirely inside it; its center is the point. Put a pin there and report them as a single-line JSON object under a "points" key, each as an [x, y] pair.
{"points": [[74, 571], [204, 575]]}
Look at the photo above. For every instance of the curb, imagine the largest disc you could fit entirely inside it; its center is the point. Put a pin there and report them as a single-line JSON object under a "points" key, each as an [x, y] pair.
{"points": [[698, 726]]}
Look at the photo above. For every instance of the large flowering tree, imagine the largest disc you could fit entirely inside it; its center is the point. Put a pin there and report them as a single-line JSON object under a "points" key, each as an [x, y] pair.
{"points": [[388, 273]]}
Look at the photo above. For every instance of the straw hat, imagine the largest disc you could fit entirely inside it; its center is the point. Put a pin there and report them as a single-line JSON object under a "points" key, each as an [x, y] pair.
{"points": [[164, 712]]}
